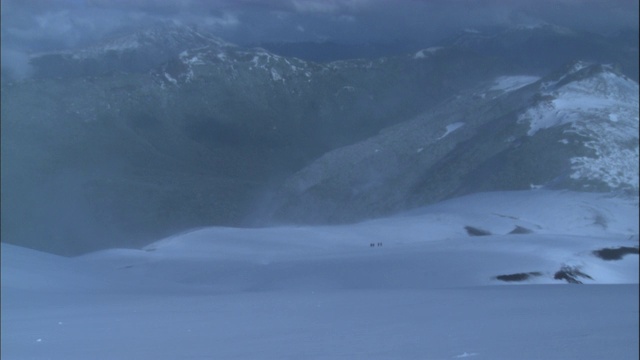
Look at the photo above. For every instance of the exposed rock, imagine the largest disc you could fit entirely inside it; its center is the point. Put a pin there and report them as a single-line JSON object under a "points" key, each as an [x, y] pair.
{"points": [[571, 274], [520, 230], [474, 231], [518, 276], [616, 253]]}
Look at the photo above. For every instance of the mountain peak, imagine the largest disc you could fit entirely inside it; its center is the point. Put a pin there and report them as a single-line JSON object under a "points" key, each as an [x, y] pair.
{"points": [[136, 52], [580, 70], [599, 105]]}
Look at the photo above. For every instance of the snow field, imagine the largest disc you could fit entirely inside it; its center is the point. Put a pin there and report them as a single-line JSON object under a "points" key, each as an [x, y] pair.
{"points": [[428, 292]]}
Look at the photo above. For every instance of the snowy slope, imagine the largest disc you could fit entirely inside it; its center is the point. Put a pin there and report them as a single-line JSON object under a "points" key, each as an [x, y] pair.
{"points": [[574, 129], [567, 225], [602, 107], [415, 286]]}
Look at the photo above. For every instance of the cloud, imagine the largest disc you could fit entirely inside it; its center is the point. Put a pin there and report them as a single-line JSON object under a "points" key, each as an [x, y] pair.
{"points": [[330, 6], [315, 6], [58, 22], [42, 25], [15, 64], [226, 20]]}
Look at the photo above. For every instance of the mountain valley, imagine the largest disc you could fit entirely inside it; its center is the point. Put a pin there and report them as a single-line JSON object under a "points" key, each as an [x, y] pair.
{"points": [[170, 128]]}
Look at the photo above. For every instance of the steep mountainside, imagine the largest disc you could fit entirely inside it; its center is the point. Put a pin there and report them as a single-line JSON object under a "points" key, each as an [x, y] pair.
{"points": [[576, 129], [138, 155], [169, 128]]}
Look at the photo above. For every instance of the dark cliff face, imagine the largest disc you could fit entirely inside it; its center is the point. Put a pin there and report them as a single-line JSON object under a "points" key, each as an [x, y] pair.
{"points": [[170, 129]]}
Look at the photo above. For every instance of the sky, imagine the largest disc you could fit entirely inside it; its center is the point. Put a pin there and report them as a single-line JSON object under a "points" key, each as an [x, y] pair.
{"points": [[53, 24], [35, 26]]}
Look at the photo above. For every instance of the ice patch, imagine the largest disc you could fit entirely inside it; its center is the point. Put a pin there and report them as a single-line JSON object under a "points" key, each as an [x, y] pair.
{"points": [[171, 79], [426, 52], [275, 76], [255, 61], [510, 83], [465, 355], [578, 66], [451, 128]]}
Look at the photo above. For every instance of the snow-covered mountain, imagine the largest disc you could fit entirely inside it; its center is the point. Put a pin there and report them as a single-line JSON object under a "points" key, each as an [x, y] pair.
{"points": [[170, 128], [136, 52], [600, 106], [482, 187], [576, 129]]}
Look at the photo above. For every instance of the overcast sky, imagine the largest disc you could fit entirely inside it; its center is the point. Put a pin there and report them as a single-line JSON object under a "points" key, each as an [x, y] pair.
{"points": [[59, 23], [41, 25]]}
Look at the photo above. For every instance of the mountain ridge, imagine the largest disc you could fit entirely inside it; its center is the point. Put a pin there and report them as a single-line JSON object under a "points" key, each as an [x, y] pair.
{"points": [[205, 135], [379, 176]]}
